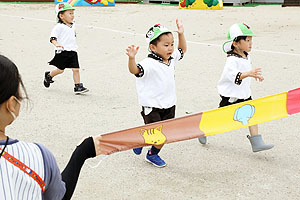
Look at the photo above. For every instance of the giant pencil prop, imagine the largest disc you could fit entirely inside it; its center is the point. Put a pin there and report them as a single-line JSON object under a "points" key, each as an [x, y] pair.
{"points": [[205, 123]]}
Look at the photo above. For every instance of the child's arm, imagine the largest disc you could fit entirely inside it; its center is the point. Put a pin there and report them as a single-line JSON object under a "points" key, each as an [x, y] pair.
{"points": [[255, 73], [181, 38], [131, 51], [56, 44]]}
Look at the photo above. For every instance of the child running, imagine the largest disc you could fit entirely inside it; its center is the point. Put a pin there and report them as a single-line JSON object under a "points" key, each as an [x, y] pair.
{"points": [[155, 79], [234, 85], [63, 37]]}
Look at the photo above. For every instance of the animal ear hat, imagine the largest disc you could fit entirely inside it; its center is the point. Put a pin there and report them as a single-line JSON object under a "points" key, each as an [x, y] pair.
{"points": [[234, 31], [62, 7], [154, 32]]}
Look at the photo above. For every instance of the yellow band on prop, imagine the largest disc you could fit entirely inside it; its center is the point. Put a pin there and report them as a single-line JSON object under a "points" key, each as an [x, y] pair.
{"points": [[244, 114]]}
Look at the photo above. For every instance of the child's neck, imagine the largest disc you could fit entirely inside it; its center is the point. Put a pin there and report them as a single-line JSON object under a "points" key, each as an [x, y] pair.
{"points": [[166, 61], [68, 24], [240, 52]]}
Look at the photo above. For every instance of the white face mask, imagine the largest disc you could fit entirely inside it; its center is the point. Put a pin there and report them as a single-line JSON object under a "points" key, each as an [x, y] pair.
{"points": [[13, 114]]}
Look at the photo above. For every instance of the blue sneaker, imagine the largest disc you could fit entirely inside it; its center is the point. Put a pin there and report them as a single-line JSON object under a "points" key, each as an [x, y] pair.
{"points": [[138, 151], [155, 160]]}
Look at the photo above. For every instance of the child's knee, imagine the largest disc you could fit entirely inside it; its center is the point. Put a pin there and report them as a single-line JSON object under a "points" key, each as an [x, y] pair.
{"points": [[75, 70]]}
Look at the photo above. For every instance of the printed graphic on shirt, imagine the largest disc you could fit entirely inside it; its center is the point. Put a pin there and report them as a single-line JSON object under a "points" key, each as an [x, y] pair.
{"points": [[153, 135], [244, 113]]}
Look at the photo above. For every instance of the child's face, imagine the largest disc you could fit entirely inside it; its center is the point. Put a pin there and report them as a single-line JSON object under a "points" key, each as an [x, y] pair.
{"points": [[164, 47], [67, 17], [245, 45]]}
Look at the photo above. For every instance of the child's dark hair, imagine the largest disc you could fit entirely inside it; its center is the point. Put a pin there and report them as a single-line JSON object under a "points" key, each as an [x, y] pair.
{"points": [[59, 20], [237, 39], [156, 40], [10, 80]]}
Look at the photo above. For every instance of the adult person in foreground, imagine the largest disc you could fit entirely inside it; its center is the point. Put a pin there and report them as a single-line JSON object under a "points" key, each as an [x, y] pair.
{"points": [[29, 170]]}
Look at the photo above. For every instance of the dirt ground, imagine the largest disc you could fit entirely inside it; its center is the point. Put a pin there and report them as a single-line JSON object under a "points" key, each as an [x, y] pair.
{"points": [[225, 168]]}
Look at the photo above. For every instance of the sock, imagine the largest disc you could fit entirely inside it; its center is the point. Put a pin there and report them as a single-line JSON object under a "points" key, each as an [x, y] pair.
{"points": [[49, 77], [154, 151]]}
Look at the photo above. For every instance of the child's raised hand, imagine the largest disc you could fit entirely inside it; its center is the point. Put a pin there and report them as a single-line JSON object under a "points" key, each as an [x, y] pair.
{"points": [[132, 50], [180, 28]]}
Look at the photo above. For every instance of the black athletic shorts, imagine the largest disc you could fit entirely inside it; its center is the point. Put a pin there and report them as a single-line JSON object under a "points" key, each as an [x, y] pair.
{"points": [[158, 114], [225, 101], [65, 59]]}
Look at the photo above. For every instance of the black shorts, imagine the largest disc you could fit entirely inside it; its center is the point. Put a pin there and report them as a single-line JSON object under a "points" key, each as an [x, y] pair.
{"points": [[158, 114], [225, 101], [65, 59]]}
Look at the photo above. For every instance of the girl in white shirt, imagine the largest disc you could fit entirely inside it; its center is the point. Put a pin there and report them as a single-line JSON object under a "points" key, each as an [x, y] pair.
{"points": [[234, 84]]}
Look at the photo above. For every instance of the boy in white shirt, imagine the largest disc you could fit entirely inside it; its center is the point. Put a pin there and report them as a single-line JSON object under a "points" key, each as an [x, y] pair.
{"points": [[234, 84], [155, 80], [63, 37]]}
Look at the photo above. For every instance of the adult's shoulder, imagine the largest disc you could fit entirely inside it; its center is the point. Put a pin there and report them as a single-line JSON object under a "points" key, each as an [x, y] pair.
{"points": [[55, 187], [46, 153]]}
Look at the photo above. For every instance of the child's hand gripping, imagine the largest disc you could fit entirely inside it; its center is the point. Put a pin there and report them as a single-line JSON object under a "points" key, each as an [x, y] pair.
{"points": [[132, 50]]}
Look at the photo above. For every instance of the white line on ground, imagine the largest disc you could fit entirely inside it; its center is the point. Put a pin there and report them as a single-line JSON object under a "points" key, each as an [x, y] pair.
{"points": [[139, 34]]}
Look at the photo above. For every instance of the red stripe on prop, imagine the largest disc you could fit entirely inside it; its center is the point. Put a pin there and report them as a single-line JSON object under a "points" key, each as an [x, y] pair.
{"points": [[293, 101]]}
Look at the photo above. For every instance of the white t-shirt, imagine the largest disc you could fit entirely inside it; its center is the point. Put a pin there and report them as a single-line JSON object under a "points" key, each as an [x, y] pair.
{"points": [[229, 84], [65, 35], [156, 87]]}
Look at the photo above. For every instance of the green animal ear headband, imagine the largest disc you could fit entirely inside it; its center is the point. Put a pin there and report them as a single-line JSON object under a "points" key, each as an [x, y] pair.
{"points": [[234, 31], [62, 7], [154, 32]]}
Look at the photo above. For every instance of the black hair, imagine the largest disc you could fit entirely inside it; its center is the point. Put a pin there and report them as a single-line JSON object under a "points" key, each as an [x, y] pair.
{"points": [[59, 20], [10, 80], [237, 39], [156, 40]]}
